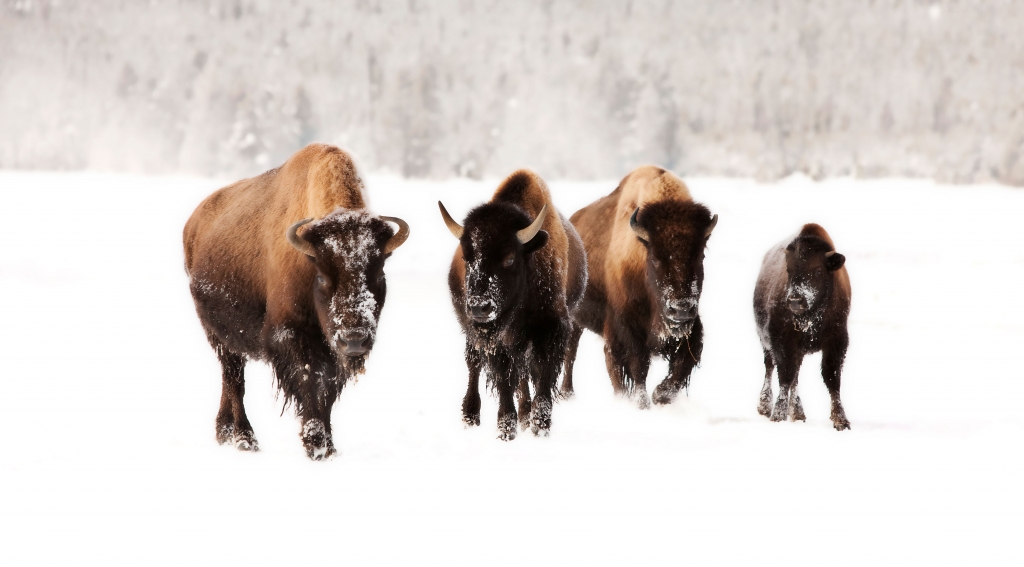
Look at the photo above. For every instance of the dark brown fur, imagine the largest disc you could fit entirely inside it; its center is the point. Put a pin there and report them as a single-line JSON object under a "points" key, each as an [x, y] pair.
{"points": [[801, 305], [533, 300], [633, 281], [260, 298]]}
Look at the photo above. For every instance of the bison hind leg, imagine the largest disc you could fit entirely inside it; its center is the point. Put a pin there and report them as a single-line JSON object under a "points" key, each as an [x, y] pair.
{"points": [[764, 405], [525, 404]]}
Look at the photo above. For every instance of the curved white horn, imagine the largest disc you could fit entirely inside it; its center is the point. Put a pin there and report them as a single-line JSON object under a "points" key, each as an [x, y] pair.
{"points": [[400, 237], [714, 221], [639, 230], [453, 226], [529, 232], [300, 244]]}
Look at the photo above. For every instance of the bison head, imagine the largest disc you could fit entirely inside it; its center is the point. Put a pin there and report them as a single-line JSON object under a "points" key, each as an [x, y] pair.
{"points": [[496, 241], [810, 262], [675, 235], [348, 249]]}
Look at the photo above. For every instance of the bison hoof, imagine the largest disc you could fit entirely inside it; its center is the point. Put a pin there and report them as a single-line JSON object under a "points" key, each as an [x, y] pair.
{"points": [[665, 394], [471, 420], [765, 408], [779, 414], [642, 401], [566, 394], [507, 428], [842, 425], [246, 441], [317, 440]]}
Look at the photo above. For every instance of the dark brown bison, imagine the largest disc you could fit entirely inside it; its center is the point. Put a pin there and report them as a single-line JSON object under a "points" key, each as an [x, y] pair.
{"points": [[645, 255], [801, 304], [271, 283], [517, 276]]}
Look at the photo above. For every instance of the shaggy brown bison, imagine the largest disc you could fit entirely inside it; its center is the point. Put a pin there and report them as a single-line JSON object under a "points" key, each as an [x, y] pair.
{"points": [[801, 303], [271, 283], [645, 255], [517, 276]]}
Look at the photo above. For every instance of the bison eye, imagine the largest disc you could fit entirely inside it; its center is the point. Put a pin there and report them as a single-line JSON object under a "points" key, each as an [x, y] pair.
{"points": [[655, 262], [320, 280], [509, 260]]}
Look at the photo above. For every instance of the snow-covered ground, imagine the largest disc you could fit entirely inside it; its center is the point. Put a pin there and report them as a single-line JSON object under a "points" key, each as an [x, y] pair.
{"points": [[109, 392]]}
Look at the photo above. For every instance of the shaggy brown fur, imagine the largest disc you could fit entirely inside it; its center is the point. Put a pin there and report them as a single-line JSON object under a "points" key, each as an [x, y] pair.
{"points": [[530, 291], [259, 297], [643, 291], [801, 305]]}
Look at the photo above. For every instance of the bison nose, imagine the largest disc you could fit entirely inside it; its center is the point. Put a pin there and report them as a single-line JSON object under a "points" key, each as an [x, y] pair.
{"points": [[355, 343], [482, 311], [797, 304], [681, 311]]}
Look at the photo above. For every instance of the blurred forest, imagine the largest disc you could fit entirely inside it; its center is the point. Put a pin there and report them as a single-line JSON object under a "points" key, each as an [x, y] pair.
{"points": [[572, 89]]}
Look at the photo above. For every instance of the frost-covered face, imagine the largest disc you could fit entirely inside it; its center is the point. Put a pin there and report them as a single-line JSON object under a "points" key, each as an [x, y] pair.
{"points": [[675, 265], [809, 263], [349, 286], [496, 261]]}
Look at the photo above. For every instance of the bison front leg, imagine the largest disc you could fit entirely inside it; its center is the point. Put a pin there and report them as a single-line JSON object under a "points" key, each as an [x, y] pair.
{"points": [[471, 401], [506, 376], [232, 423], [832, 358], [548, 353], [315, 407], [567, 392], [681, 362]]}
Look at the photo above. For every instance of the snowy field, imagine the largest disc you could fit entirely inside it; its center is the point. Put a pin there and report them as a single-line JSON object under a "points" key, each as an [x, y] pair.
{"points": [[109, 393]]}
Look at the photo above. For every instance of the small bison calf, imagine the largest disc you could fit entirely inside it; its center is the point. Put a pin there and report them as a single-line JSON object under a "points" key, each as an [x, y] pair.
{"points": [[801, 304]]}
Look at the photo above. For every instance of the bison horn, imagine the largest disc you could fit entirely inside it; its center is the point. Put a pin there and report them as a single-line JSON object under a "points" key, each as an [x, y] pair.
{"points": [[300, 244], [529, 232], [450, 222], [714, 221], [829, 253], [639, 230], [400, 237]]}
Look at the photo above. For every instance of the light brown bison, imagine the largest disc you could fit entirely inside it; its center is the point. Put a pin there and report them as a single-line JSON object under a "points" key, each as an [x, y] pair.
{"points": [[645, 255], [801, 305], [271, 283], [515, 280]]}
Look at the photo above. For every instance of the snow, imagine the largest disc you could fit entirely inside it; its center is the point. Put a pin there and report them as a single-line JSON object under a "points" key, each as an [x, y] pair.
{"points": [[107, 450]]}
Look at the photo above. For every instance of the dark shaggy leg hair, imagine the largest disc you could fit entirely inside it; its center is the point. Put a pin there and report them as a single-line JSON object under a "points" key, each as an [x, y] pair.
{"points": [[308, 375], [567, 391], [682, 359], [471, 402], [232, 423], [504, 374]]}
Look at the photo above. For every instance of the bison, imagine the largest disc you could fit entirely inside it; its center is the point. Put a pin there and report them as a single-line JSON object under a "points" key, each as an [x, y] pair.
{"points": [[515, 280], [288, 267], [801, 304], [645, 255]]}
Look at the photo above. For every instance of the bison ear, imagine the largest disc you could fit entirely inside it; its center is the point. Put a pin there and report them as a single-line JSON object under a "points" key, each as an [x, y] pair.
{"points": [[536, 243], [834, 261]]}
